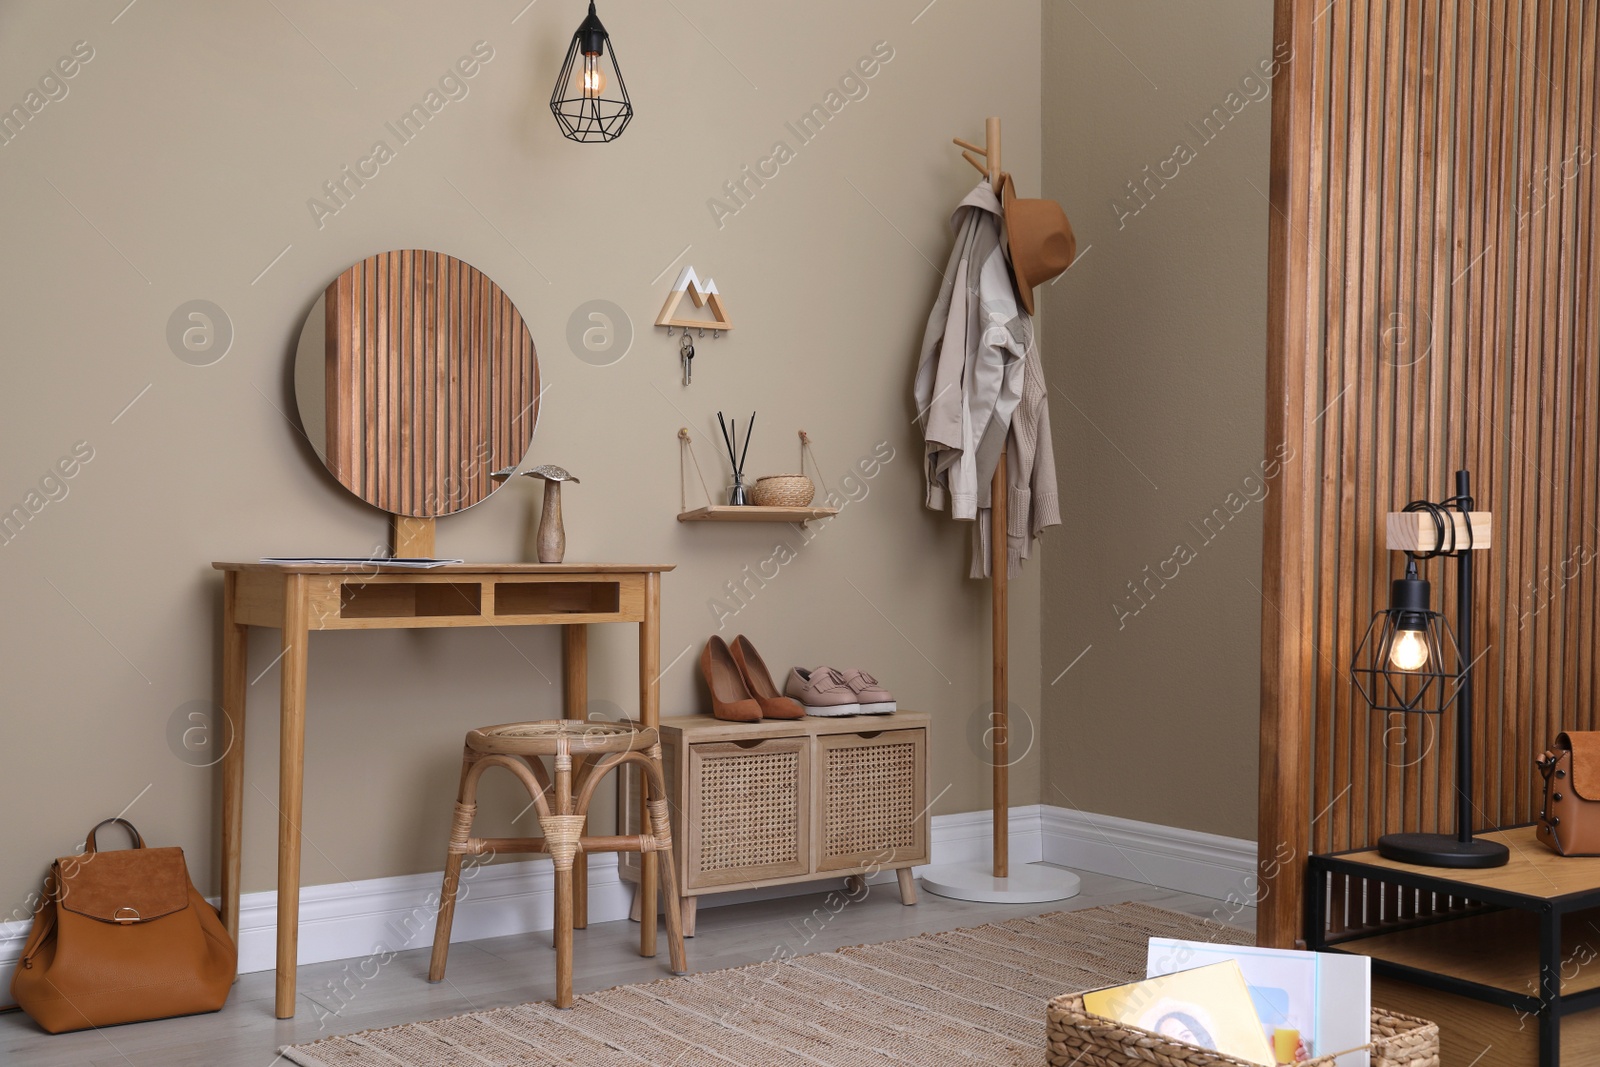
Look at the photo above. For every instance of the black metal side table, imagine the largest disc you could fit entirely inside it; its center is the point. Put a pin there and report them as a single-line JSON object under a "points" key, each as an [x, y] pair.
{"points": [[1524, 937]]}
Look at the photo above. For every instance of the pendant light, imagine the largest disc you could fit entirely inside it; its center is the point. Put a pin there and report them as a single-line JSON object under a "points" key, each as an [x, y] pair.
{"points": [[590, 101]]}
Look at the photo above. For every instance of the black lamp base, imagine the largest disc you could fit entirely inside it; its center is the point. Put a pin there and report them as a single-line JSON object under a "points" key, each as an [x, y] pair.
{"points": [[1442, 850]]}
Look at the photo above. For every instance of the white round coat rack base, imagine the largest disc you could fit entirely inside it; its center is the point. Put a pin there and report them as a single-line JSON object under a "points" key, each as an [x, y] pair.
{"points": [[1029, 883]]}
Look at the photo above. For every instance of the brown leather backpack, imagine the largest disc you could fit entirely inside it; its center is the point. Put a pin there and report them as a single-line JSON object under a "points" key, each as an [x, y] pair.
{"points": [[1570, 820], [122, 937]]}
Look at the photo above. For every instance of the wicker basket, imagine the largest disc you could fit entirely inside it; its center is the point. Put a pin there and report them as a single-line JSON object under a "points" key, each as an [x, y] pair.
{"points": [[1073, 1036], [782, 491]]}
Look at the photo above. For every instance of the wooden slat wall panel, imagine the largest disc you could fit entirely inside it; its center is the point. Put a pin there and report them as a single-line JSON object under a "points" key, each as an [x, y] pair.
{"points": [[433, 382], [1433, 304]]}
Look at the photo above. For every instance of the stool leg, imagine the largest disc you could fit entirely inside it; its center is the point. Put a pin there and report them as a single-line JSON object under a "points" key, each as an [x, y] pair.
{"points": [[447, 915], [564, 881], [563, 833], [461, 831], [661, 828], [669, 886]]}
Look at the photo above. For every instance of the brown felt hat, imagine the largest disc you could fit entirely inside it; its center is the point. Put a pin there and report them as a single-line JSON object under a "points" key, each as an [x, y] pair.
{"points": [[1042, 244]]}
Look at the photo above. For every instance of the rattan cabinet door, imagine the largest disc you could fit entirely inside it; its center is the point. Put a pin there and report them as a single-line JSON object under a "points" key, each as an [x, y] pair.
{"points": [[872, 799], [749, 811]]}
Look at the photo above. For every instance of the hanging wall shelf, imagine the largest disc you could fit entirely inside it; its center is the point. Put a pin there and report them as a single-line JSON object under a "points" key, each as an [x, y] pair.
{"points": [[751, 513], [740, 512]]}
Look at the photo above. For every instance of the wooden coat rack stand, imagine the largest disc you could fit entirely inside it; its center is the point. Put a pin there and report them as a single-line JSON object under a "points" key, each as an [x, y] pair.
{"points": [[1029, 883]]}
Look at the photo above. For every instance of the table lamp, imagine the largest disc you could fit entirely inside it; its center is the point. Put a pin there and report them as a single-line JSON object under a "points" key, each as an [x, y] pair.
{"points": [[1411, 661]]}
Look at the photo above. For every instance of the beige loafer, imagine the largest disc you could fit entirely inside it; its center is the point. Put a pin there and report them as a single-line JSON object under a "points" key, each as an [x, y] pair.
{"points": [[874, 698]]}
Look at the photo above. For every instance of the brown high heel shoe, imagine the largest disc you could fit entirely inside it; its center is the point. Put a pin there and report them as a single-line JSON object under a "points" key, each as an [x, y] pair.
{"points": [[730, 699], [774, 705]]}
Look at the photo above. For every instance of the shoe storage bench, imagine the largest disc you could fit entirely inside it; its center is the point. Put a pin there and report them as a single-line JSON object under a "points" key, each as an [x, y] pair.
{"points": [[785, 801]]}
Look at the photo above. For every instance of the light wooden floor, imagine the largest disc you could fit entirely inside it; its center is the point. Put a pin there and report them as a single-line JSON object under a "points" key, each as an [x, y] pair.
{"points": [[511, 970]]}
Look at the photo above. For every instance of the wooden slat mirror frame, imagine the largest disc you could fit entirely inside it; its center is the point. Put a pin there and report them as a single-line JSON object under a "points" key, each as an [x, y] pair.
{"points": [[430, 383], [1432, 304]]}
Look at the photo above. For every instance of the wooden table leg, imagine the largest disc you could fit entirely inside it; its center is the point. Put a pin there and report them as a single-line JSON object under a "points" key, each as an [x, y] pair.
{"points": [[908, 886], [291, 774], [575, 692], [649, 715], [235, 661], [575, 670]]}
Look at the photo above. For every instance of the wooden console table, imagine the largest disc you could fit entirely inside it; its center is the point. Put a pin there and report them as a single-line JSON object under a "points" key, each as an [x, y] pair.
{"points": [[1506, 959], [301, 599]]}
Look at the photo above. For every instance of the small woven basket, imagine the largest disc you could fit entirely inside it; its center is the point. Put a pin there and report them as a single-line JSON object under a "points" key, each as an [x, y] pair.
{"points": [[1073, 1036], [782, 491]]}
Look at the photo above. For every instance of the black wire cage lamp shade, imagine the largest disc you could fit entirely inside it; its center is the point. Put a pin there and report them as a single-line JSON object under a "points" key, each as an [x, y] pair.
{"points": [[1409, 660], [590, 101]]}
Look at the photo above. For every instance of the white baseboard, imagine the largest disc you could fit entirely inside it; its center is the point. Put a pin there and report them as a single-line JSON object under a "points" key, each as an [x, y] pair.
{"points": [[968, 836], [357, 919], [1206, 865], [378, 915]]}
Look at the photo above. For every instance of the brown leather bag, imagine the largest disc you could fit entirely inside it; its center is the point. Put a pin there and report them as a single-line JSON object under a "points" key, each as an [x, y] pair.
{"points": [[1570, 821], [123, 937]]}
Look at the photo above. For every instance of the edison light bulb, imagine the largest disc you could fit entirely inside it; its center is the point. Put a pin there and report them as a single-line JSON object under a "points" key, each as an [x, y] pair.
{"points": [[592, 81], [1409, 651]]}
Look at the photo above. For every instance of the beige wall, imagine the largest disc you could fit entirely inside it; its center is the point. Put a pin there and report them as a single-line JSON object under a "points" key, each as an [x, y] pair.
{"points": [[1155, 346], [178, 166]]}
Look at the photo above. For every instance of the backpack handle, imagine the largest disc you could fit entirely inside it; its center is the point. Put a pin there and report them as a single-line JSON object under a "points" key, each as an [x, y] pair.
{"points": [[133, 834]]}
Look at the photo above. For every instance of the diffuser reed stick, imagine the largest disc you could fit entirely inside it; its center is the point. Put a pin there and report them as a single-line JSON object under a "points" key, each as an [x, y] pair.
{"points": [[730, 438]]}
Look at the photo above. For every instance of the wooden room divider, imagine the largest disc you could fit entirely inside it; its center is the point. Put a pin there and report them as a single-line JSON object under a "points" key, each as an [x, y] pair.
{"points": [[1433, 305]]}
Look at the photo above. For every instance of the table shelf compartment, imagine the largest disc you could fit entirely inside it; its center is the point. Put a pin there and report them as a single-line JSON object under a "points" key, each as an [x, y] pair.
{"points": [[392, 600], [557, 598], [1498, 949]]}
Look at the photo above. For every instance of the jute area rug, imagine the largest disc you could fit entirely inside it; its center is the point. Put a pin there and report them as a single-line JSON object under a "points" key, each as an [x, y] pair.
{"points": [[969, 997]]}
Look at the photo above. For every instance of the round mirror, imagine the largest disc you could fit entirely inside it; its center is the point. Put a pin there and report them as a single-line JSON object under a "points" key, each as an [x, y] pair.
{"points": [[416, 379]]}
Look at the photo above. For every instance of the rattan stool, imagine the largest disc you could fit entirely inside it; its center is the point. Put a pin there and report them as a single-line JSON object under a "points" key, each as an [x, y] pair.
{"points": [[563, 807]]}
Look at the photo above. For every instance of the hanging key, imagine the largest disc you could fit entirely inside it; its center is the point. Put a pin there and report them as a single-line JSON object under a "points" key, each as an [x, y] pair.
{"points": [[686, 353]]}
